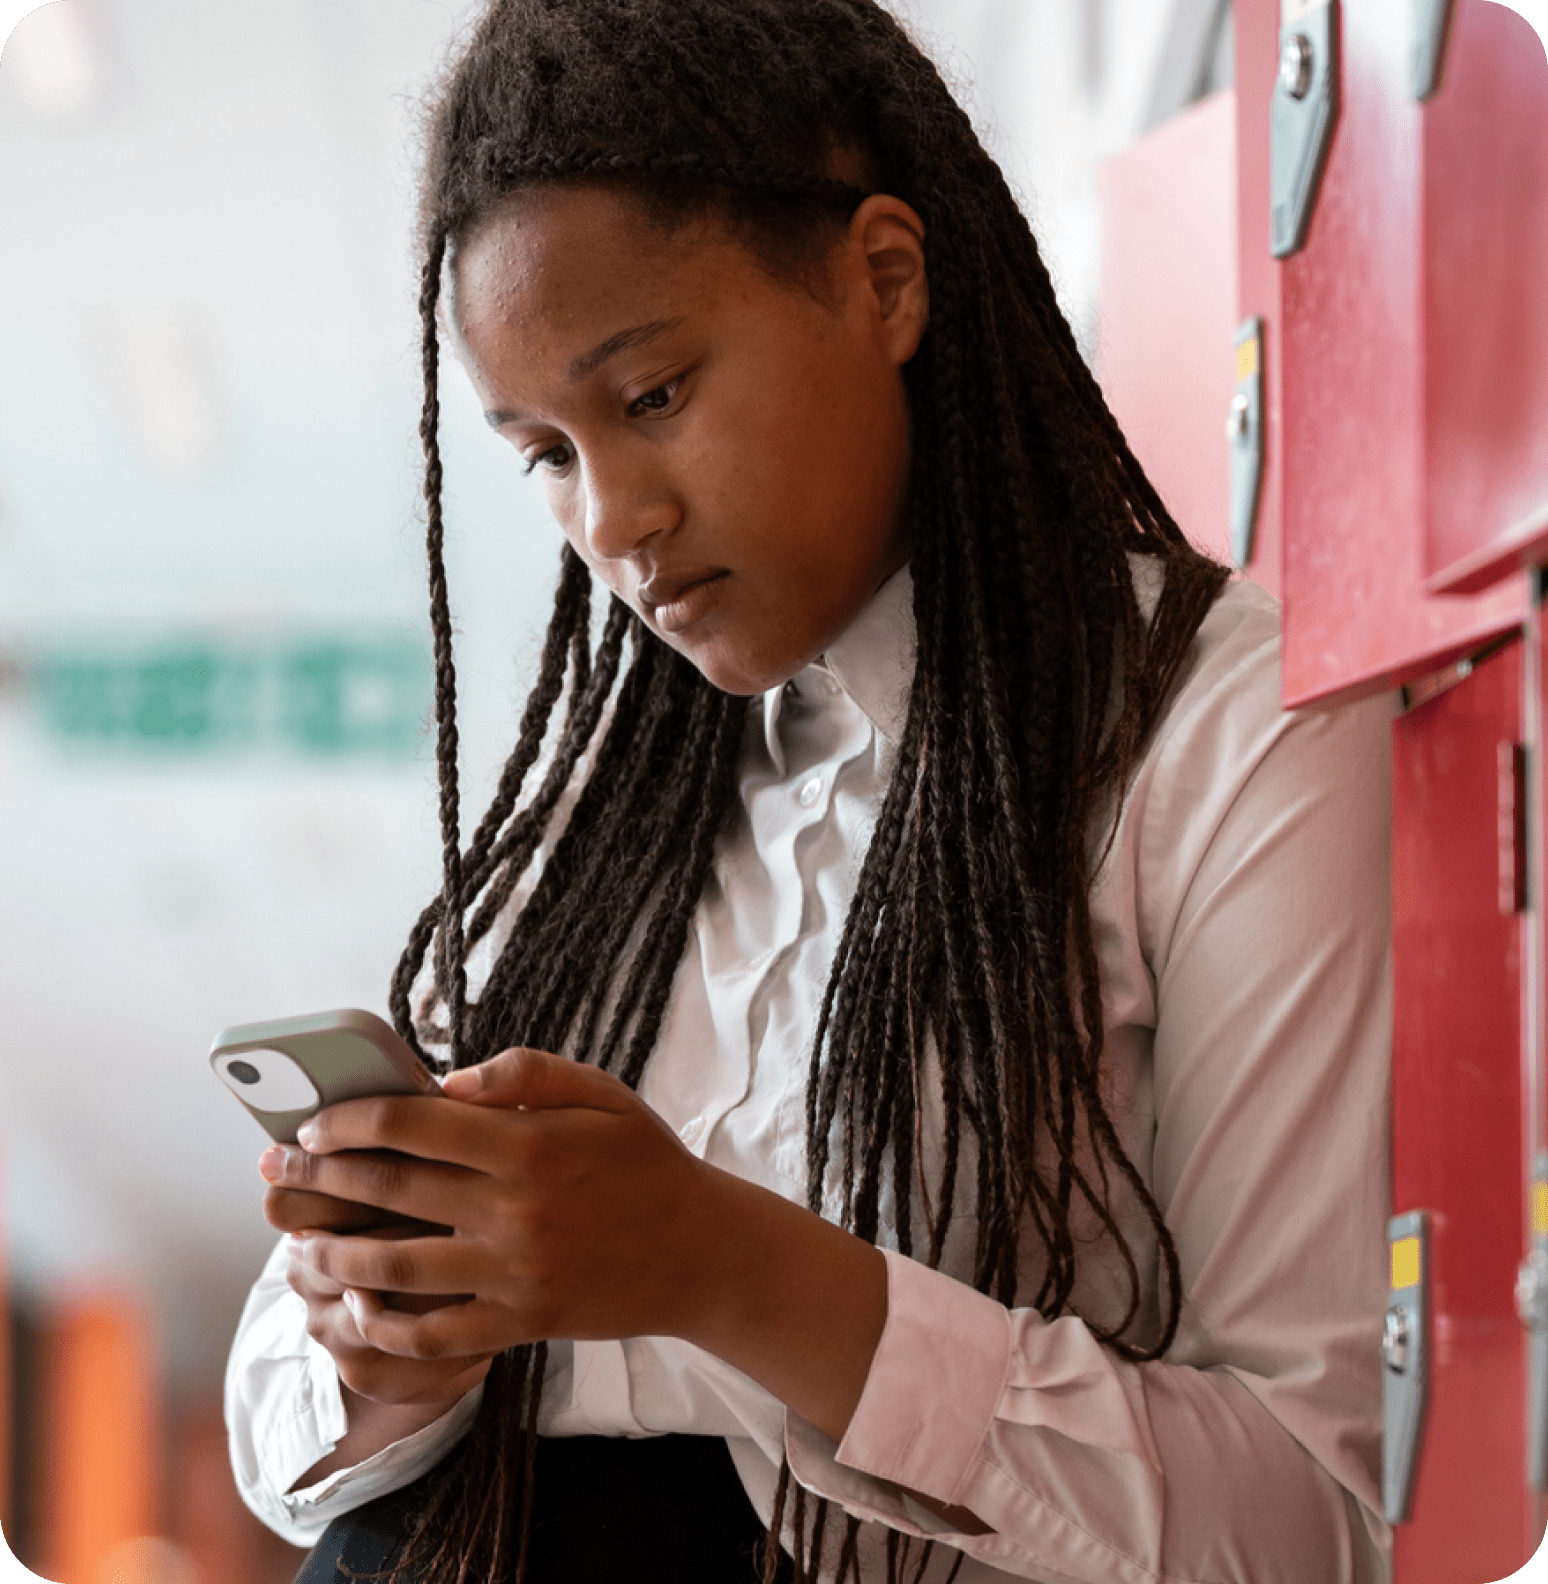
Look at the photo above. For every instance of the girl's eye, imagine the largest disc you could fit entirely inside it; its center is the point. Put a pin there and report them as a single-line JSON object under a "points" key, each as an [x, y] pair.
{"points": [[555, 459], [656, 400]]}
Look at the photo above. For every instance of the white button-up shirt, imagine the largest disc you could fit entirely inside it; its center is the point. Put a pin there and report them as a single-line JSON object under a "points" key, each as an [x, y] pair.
{"points": [[1241, 921]]}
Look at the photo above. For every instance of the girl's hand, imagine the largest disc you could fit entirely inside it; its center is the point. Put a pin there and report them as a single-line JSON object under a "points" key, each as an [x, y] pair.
{"points": [[576, 1212], [288, 1210], [386, 1397], [574, 1209], [364, 1370]]}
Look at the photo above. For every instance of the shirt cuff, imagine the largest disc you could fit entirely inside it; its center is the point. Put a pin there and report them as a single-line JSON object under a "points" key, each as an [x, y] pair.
{"points": [[934, 1384], [313, 1507]]}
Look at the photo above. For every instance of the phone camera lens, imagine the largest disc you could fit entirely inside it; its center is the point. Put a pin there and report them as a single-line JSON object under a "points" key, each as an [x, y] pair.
{"points": [[243, 1072]]}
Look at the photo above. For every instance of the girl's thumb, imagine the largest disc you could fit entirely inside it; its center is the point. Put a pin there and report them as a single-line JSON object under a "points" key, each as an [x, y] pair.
{"points": [[533, 1080]]}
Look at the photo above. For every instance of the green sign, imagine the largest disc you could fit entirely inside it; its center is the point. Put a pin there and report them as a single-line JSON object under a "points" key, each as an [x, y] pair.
{"points": [[326, 697]]}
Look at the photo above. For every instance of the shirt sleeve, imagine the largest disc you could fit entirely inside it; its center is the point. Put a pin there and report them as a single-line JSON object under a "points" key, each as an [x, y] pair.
{"points": [[285, 1412], [1252, 1451]]}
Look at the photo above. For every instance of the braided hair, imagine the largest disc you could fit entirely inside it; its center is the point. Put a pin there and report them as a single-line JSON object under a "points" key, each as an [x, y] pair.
{"points": [[1037, 682]]}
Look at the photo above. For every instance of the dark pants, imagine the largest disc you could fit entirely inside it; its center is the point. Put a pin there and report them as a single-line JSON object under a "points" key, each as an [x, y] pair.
{"points": [[668, 1510]]}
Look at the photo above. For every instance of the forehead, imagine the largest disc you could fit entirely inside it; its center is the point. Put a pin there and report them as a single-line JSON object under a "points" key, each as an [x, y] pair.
{"points": [[551, 254]]}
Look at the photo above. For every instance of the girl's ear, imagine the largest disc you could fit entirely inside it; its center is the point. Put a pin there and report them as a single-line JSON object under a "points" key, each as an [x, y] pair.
{"points": [[889, 236]]}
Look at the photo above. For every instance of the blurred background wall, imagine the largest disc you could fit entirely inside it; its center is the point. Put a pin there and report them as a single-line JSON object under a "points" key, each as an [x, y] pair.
{"points": [[215, 792]]}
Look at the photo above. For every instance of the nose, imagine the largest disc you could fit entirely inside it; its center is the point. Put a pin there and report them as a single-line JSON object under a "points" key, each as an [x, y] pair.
{"points": [[627, 501]]}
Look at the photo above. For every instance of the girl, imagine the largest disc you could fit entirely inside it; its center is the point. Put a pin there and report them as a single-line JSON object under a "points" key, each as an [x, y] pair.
{"points": [[927, 1020]]}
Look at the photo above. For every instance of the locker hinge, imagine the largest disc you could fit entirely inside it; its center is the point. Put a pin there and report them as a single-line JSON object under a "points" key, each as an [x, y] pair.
{"points": [[1302, 113], [1511, 825], [1532, 1306], [1431, 23], [1405, 1351], [1244, 432]]}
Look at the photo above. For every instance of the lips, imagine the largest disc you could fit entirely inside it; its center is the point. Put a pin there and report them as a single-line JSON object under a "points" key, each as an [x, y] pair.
{"points": [[676, 602], [661, 589]]}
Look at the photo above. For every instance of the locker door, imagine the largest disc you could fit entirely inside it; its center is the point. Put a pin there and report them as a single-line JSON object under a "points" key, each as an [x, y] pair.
{"points": [[1485, 173], [1406, 352], [1366, 317], [1485, 240], [1457, 1124]]}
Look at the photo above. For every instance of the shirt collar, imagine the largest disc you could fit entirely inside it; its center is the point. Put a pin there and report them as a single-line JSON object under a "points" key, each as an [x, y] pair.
{"points": [[874, 657], [873, 661]]}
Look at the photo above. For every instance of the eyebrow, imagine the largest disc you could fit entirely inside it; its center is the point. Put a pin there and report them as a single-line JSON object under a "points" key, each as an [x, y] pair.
{"points": [[589, 362]]}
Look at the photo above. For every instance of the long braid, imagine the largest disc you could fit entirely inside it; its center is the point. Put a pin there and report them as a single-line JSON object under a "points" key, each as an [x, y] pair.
{"points": [[509, 859], [565, 646], [966, 982], [450, 964]]}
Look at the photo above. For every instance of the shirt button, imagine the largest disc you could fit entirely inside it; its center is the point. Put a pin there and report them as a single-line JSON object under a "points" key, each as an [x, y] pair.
{"points": [[811, 792], [691, 1129]]}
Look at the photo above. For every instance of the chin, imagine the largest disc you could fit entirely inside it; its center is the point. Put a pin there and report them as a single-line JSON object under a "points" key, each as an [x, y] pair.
{"points": [[743, 675], [737, 682]]}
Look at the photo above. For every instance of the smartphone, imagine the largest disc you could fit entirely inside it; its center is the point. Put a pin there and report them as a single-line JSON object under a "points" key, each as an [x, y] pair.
{"points": [[285, 1070]]}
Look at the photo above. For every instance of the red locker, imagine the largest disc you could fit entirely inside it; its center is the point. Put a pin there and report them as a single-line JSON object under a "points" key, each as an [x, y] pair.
{"points": [[1371, 424], [1406, 400], [1457, 1126], [1485, 174]]}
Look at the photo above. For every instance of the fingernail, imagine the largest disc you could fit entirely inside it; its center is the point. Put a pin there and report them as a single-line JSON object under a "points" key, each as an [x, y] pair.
{"points": [[353, 1304], [463, 1083], [295, 1245], [306, 1135], [272, 1164]]}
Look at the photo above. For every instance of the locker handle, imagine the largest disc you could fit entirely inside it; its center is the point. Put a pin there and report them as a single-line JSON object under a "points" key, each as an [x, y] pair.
{"points": [[1302, 111], [1405, 1348], [1431, 20], [1532, 1309], [1244, 435]]}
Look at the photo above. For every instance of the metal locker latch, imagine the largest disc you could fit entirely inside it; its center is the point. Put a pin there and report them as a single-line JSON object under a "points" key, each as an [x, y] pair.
{"points": [[1532, 1306], [1301, 117], [1244, 432], [1405, 1351], [1431, 19]]}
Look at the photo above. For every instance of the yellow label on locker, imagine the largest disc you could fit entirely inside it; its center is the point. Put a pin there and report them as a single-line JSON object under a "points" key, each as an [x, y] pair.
{"points": [[1540, 1208], [1405, 1263], [1247, 358]]}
